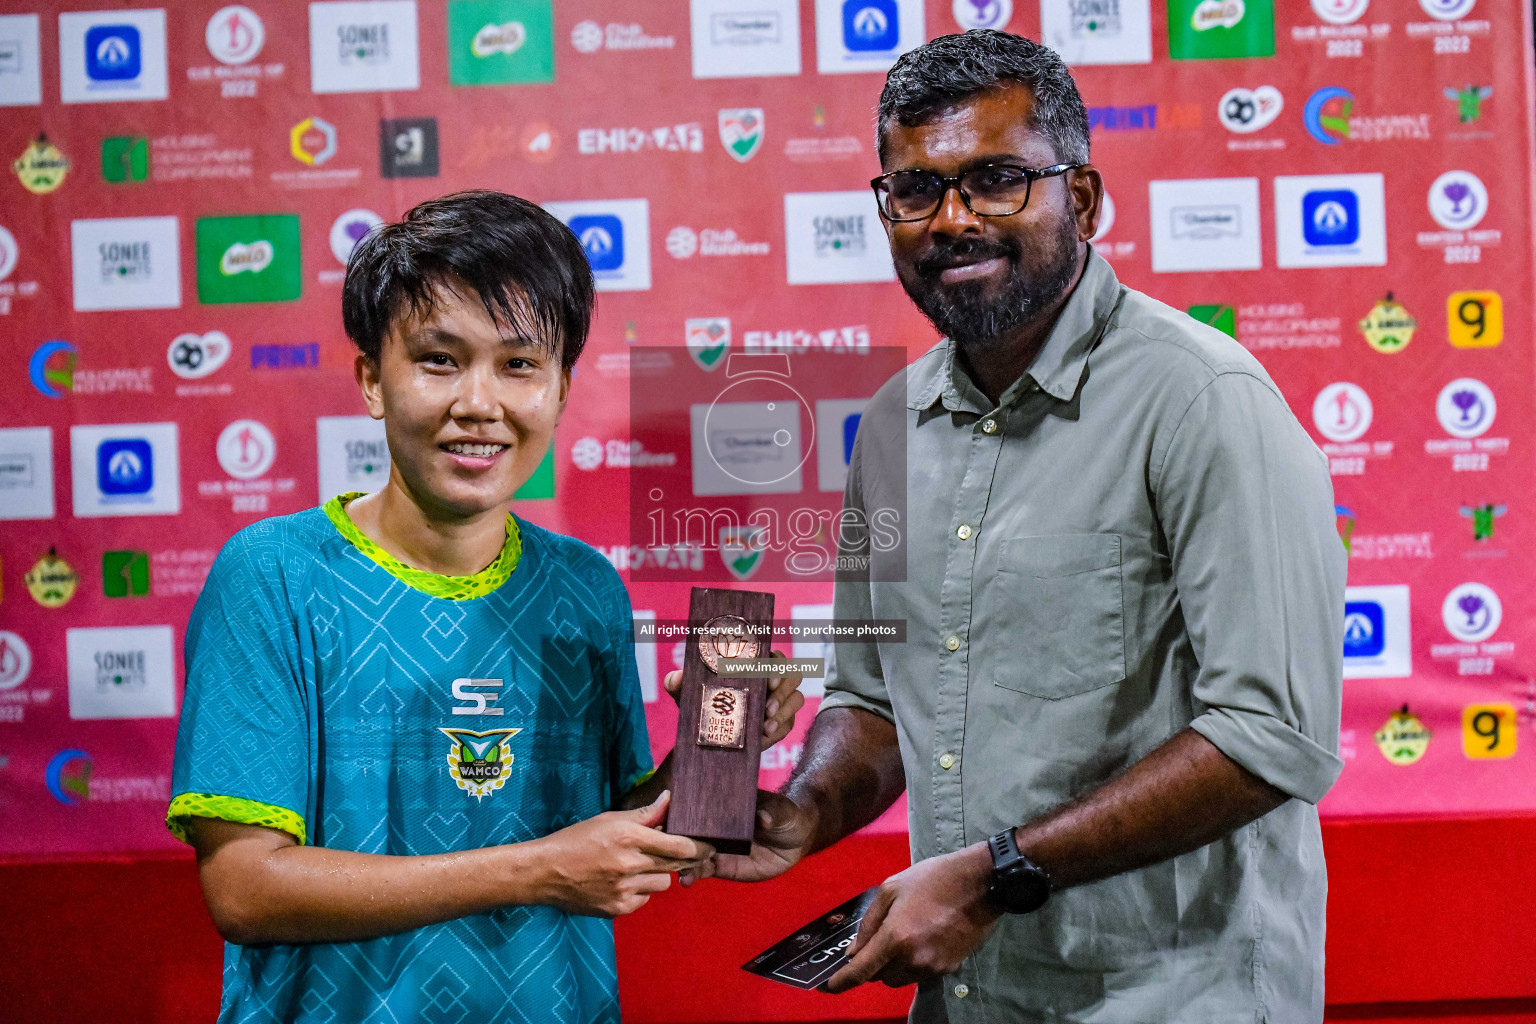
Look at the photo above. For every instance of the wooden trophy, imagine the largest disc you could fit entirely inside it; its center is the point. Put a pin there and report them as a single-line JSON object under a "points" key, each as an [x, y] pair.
{"points": [[720, 720]]}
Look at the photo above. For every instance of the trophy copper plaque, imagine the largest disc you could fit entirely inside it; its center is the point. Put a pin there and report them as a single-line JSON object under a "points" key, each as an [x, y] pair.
{"points": [[720, 720]]}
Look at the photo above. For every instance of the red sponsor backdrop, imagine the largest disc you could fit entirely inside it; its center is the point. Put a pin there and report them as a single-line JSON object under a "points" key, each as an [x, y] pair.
{"points": [[1375, 115]]}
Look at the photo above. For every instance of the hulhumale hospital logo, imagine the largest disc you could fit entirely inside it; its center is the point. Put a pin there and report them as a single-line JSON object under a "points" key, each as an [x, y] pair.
{"points": [[478, 762], [1326, 114], [52, 368]]}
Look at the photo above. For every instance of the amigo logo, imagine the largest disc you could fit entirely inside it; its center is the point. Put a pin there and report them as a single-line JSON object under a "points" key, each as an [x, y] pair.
{"points": [[241, 258]]}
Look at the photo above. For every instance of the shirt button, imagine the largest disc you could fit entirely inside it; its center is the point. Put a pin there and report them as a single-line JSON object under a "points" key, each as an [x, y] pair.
{"points": [[989, 426], [962, 990], [965, 531], [947, 762], [953, 643]]}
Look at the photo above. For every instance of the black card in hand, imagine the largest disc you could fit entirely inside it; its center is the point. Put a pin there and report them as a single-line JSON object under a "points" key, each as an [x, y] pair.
{"points": [[815, 952]]}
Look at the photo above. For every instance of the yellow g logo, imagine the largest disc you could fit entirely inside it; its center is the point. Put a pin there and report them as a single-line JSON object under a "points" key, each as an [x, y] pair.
{"points": [[1476, 319], [1488, 731]]}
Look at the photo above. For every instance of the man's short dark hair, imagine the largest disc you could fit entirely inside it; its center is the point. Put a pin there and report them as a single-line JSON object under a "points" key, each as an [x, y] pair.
{"points": [[525, 266], [949, 69]]}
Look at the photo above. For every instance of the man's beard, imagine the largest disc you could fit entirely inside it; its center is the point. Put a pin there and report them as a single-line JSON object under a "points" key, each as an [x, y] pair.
{"points": [[964, 313]]}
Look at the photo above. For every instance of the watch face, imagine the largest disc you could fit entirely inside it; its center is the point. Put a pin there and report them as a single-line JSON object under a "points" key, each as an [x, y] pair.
{"points": [[1022, 890]]}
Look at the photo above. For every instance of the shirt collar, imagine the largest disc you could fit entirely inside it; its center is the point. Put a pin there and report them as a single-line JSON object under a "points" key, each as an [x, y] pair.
{"points": [[1057, 368]]}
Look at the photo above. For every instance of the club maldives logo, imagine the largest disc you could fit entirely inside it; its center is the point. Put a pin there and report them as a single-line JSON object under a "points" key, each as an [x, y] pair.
{"points": [[1472, 612], [742, 548], [235, 35], [708, 340], [479, 762], [741, 132], [1458, 200]]}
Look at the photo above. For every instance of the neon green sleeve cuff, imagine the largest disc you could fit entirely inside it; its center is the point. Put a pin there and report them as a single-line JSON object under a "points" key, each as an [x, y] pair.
{"points": [[639, 780], [231, 808]]}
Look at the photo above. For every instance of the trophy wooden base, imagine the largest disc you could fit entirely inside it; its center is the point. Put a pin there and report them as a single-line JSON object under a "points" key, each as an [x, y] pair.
{"points": [[719, 740]]}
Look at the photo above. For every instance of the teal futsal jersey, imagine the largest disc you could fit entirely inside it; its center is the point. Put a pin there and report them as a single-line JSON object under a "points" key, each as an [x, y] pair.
{"points": [[360, 704]]}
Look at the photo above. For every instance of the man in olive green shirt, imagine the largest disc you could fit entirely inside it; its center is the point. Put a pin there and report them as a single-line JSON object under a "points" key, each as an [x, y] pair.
{"points": [[1124, 597]]}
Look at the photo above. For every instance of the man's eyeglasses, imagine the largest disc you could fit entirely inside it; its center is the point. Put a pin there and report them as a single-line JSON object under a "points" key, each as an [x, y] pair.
{"points": [[992, 190]]}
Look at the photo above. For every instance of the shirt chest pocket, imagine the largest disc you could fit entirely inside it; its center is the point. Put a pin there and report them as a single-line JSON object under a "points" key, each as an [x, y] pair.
{"points": [[1060, 599]]}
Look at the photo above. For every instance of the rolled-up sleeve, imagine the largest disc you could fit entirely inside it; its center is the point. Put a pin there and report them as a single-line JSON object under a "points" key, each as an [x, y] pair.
{"points": [[1246, 503], [854, 677]]}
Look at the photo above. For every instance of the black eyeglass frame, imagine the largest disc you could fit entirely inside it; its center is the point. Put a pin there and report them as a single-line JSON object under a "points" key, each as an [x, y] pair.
{"points": [[1031, 175]]}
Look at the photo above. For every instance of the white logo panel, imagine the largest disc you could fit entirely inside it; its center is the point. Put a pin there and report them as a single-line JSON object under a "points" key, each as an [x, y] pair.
{"points": [[26, 473], [21, 65], [1098, 31], [121, 672], [1330, 220], [865, 35], [835, 238], [1205, 224], [745, 38], [125, 469], [616, 235], [363, 46], [1377, 639], [112, 56], [126, 263], [353, 455]]}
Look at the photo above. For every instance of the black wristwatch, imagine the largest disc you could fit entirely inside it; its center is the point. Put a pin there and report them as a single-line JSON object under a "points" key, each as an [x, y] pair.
{"points": [[1019, 886]]}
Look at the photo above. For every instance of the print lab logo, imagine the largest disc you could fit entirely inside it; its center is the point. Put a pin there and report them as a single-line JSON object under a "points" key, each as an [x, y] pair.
{"points": [[1458, 200], [1472, 612], [971, 14], [235, 35], [112, 56], [1248, 110], [1466, 408], [1342, 412]]}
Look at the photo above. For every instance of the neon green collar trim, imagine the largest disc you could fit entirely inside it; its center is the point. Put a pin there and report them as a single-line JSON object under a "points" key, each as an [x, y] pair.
{"points": [[450, 588]]}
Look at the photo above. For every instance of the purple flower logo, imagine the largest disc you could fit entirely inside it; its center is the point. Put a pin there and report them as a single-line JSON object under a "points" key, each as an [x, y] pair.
{"points": [[1458, 200], [1466, 408], [1472, 612], [1473, 607]]}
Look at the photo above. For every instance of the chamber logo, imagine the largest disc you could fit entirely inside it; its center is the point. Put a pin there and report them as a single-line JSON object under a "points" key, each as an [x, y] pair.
{"points": [[479, 761]]}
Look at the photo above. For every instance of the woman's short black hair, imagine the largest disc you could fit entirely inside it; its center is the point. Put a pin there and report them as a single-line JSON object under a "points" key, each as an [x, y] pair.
{"points": [[525, 266]]}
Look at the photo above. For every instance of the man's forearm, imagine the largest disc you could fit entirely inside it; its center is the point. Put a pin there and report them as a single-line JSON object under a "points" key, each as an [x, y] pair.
{"points": [[848, 774], [1180, 797]]}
